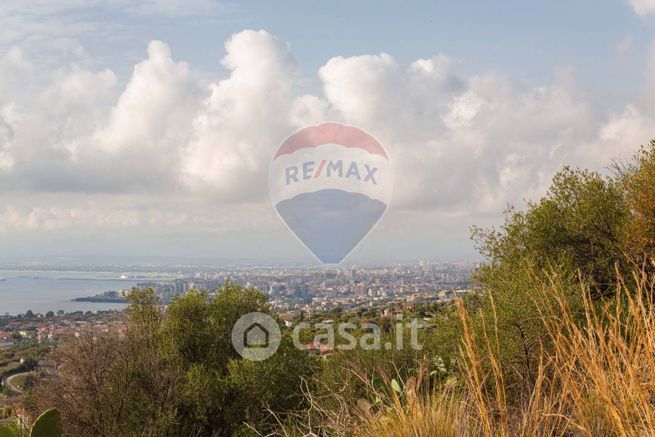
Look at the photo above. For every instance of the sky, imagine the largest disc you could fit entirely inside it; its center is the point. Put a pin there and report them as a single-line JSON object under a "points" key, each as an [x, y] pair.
{"points": [[146, 128]]}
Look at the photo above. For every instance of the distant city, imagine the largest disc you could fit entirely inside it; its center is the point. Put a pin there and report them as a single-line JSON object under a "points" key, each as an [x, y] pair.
{"points": [[295, 289], [291, 291]]}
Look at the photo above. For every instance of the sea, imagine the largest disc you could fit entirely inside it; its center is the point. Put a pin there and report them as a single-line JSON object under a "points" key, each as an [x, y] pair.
{"points": [[43, 291]]}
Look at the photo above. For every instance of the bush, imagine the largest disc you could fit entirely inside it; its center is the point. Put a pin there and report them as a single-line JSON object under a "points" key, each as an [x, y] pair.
{"points": [[174, 373]]}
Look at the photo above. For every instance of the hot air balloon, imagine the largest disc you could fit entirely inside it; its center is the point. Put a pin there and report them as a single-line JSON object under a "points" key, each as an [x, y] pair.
{"points": [[331, 184]]}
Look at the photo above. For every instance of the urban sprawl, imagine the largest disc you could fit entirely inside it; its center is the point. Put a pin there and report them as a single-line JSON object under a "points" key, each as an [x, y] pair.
{"points": [[290, 291]]}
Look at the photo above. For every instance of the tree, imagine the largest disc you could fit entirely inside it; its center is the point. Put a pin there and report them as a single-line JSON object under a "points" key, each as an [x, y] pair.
{"points": [[174, 373], [577, 228], [30, 363], [221, 391], [586, 227], [110, 385], [638, 180]]}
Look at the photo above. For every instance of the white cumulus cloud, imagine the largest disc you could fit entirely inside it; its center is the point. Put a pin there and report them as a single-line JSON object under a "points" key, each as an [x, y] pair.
{"points": [[242, 118], [462, 146]]}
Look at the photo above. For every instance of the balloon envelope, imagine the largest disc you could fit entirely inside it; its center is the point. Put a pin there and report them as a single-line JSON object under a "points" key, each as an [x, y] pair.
{"points": [[331, 184]]}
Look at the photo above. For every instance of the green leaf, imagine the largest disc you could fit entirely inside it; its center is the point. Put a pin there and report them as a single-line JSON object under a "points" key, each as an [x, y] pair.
{"points": [[395, 386]]}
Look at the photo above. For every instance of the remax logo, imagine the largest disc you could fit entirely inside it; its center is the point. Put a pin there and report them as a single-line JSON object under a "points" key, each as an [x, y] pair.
{"points": [[331, 184], [334, 168]]}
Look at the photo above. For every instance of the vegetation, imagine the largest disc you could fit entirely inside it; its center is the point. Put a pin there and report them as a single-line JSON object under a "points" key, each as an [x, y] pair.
{"points": [[557, 339], [48, 424], [174, 373], [595, 382], [554, 342]]}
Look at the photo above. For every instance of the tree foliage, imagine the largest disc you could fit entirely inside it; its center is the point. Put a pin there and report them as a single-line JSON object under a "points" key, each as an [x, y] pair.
{"points": [[578, 226], [638, 180], [586, 228], [174, 373]]}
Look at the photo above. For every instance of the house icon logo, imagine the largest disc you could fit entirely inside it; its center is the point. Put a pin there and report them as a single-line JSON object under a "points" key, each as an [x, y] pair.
{"points": [[256, 336]]}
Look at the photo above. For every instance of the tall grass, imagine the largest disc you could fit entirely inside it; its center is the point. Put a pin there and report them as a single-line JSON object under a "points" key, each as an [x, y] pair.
{"points": [[594, 378]]}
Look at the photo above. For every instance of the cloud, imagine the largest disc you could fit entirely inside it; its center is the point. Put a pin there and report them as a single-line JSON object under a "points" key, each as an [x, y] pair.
{"points": [[76, 89], [623, 47], [73, 137], [643, 7], [57, 31], [461, 145], [15, 72], [242, 119], [153, 109], [148, 125], [173, 8], [49, 212], [6, 137]]}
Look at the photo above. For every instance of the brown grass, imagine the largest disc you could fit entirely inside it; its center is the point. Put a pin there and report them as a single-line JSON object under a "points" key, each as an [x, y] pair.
{"points": [[597, 378]]}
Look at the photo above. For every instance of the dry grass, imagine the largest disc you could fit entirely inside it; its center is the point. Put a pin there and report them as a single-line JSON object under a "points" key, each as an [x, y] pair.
{"points": [[606, 366], [407, 411], [440, 414], [597, 378]]}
